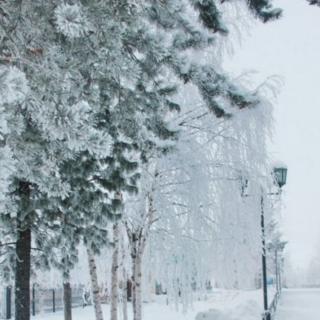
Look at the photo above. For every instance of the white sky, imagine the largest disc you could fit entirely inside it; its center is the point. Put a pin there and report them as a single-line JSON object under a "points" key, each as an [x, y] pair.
{"points": [[290, 48]]}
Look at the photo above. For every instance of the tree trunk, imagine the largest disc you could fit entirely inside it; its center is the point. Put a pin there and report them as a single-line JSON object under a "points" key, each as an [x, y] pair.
{"points": [[138, 290], [94, 286], [124, 287], [114, 274], [67, 300], [124, 295], [136, 286], [138, 240], [22, 274], [134, 267]]}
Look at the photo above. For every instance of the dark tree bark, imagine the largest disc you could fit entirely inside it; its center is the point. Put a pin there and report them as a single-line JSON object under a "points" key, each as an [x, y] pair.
{"points": [[22, 275], [67, 301]]}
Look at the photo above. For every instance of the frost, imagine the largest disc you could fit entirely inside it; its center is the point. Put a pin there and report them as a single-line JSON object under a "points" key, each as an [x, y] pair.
{"points": [[7, 167], [71, 20], [278, 164], [13, 85]]}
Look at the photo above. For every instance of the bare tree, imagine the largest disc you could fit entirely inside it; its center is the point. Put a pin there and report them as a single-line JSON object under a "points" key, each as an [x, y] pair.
{"points": [[138, 235]]}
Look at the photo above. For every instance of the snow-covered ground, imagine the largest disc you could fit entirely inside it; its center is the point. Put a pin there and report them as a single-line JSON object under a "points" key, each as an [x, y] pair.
{"points": [[229, 304], [299, 304]]}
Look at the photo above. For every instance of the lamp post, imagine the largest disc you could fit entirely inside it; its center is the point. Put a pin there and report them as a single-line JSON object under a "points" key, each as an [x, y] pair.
{"points": [[280, 178], [264, 264]]}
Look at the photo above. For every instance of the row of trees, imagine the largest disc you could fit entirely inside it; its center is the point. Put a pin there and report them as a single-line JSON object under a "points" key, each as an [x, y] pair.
{"points": [[116, 116]]}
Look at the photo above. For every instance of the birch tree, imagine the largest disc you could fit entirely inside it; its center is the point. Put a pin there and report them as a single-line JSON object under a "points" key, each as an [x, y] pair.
{"points": [[115, 274], [124, 275], [138, 229], [94, 285]]}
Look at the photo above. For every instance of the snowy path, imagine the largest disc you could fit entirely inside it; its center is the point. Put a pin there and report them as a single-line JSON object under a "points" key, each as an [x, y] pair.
{"points": [[237, 304], [299, 304]]}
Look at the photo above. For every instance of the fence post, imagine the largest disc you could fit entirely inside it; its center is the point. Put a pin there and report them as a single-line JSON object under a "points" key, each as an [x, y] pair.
{"points": [[53, 300], [8, 303]]}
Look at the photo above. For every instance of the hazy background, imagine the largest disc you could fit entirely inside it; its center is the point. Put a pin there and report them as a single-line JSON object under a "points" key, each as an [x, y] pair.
{"points": [[290, 48]]}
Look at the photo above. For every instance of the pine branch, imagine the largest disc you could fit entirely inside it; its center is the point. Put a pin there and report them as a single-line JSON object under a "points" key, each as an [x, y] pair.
{"points": [[314, 2], [7, 244], [263, 10]]}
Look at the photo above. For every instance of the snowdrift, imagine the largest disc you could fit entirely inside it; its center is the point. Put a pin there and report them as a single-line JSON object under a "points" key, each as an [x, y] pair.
{"points": [[249, 310]]}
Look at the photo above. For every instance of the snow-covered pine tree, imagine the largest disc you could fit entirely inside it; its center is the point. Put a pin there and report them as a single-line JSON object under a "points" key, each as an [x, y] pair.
{"points": [[96, 182], [13, 90], [50, 126], [75, 72], [182, 32]]}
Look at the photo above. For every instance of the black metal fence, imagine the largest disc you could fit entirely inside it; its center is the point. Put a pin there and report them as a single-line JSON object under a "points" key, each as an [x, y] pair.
{"points": [[42, 300]]}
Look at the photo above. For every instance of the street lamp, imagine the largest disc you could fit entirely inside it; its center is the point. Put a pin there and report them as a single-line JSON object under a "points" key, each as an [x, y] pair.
{"points": [[280, 179], [280, 175]]}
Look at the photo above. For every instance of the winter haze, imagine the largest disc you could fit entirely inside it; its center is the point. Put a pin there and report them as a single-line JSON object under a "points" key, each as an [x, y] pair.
{"points": [[290, 48], [144, 150]]}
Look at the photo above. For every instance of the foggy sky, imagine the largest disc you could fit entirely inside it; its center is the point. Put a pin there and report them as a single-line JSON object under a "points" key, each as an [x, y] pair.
{"points": [[291, 48]]}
